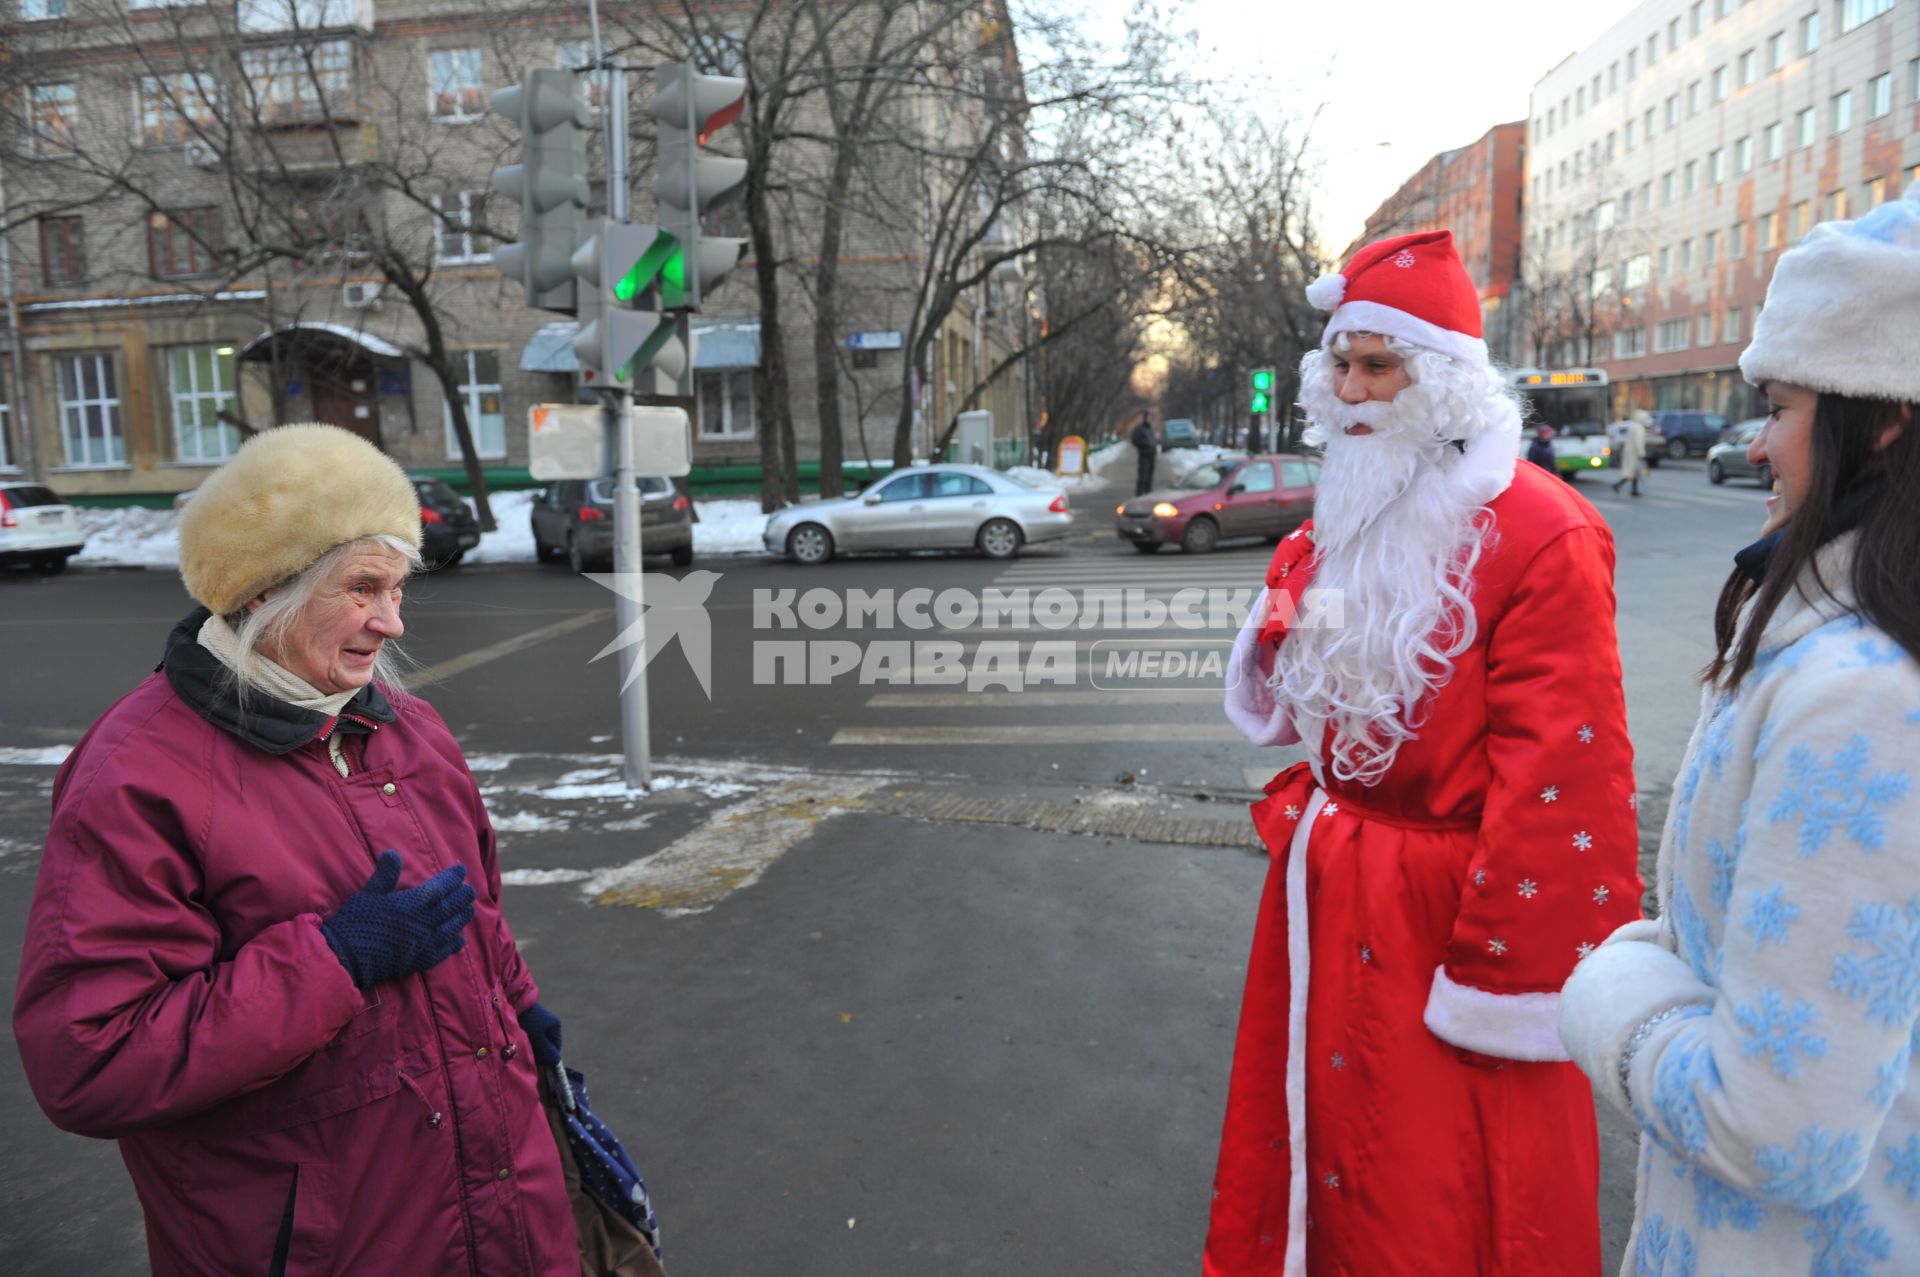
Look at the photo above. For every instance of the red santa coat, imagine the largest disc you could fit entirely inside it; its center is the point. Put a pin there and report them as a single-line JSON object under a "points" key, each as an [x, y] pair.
{"points": [[1402, 995]]}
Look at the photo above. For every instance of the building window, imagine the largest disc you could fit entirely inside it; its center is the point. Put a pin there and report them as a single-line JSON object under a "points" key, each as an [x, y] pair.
{"points": [[1732, 325], [1803, 129], [42, 10], [1666, 263], [1672, 334], [1629, 343], [293, 84], [1610, 140], [1810, 32], [1880, 91], [1673, 35], [1769, 231], [486, 416], [1913, 80], [1646, 197], [1747, 61], [1626, 136], [456, 240], [1720, 8], [1580, 100], [457, 91], [1646, 125], [1855, 12], [176, 107], [1639, 270], [726, 403], [1737, 241], [1842, 115], [63, 263], [1802, 218], [1776, 140], [1743, 155], [1666, 187], [1913, 174], [53, 111], [1653, 48], [1694, 16], [1874, 193], [1673, 111], [1776, 51], [1613, 78], [1633, 63], [89, 410], [200, 383], [1690, 180], [1836, 206], [1717, 165], [1712, 248], [1720, 83], [183, 242], [1706, 328], [1686, 256], [1694, 91]]}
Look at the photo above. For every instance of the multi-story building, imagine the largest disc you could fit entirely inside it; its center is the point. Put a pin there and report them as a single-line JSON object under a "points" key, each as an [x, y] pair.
{"points": [[1474, 191], [1672, 161], [209, 203]]}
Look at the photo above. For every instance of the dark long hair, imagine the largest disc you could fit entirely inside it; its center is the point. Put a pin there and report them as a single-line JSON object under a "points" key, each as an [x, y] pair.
{"points": [[1855, 484]]}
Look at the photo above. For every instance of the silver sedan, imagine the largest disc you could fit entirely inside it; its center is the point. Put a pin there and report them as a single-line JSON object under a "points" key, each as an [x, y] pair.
{"points": [[924, 508]]}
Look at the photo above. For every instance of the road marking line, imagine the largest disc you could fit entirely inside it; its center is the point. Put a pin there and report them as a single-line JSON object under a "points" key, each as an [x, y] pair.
{"points": [[1013, 700], [507, 647], [1043, 734]]}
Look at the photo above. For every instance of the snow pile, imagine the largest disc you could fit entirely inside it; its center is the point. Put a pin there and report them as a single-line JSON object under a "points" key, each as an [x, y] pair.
{"points": [[1045, 480], [130, 538], [512, 539], [729, 527]]}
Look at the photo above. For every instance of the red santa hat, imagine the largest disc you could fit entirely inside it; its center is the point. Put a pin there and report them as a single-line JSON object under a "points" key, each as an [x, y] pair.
{"points": [[1412, 287]]}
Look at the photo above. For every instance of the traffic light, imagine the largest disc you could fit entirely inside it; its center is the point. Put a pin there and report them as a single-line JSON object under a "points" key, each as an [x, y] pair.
{"points": [[1262, 390], [549, 183], [690, 107], [616, 268]]}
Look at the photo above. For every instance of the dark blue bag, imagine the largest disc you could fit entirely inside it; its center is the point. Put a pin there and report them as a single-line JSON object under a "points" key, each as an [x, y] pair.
{"points": [[605, 1169]]}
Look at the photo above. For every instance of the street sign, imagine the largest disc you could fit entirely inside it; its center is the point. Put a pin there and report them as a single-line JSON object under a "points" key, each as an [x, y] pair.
{"points": [[566, 441], [662, 442], [874, 341]]}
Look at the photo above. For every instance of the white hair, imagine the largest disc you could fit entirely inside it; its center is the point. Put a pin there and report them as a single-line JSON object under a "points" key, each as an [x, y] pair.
{"points": [[1397, 539], [267, 626]]}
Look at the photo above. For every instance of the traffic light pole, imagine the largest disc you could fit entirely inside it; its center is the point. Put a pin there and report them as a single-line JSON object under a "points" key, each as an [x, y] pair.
{"points": [[629, 607]]}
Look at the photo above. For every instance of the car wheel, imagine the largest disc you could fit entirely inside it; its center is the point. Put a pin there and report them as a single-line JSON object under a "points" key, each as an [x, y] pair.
{"points": [[575, 558], [1677, 449], [1201, 536], [999, 538], [1714, 473], [682, 556], [809, 544], [1147, 547]]}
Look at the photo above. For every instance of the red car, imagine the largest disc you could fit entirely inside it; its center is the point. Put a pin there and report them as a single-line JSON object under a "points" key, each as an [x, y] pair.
{"points": [[1266, 496]]}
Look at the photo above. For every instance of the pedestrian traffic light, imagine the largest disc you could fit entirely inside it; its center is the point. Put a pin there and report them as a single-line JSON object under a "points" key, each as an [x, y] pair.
{"points": [[617, 268], [689, 108], [549, 183], [1262, 390]]}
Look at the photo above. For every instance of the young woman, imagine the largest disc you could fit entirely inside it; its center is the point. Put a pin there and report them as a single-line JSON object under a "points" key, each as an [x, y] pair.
{"points": [[1761, 1030]]}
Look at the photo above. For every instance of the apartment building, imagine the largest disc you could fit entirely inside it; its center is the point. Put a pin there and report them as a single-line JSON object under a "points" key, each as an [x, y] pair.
{"points": [[1476, 192], [150, 313], [1672, 161]]}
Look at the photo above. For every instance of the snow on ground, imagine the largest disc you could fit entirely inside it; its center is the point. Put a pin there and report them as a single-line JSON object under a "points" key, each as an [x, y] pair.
{"points": [[512, 539], [729, 527], [130, 538]]}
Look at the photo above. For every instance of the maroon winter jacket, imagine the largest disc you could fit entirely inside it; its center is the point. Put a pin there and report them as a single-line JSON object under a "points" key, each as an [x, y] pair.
{"points": [[177, 994]]}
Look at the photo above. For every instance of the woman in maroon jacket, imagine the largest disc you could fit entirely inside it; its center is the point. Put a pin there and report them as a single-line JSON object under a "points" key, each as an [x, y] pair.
{"points": [[266, 952]]}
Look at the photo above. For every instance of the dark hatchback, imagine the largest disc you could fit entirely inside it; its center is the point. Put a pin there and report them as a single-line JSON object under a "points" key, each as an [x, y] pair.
{"points": [[573, 520], [1218, 501], [448, 527]]}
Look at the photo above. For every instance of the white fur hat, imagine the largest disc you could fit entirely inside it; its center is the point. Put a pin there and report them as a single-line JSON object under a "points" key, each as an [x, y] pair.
{"points": [[1843, 311], [286, 498]]}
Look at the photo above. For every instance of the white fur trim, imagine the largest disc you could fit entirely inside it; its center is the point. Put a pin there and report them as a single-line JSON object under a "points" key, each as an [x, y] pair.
{"points": [[1299, 955], [1485, 469], [1513, 1026], [1612, 992], [1373, 317], [1250, 703], [1326, 292]]}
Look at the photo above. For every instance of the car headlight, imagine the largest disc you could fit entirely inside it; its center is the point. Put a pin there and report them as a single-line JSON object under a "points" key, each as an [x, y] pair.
{"points": [[1596, 461], [1120, 509], [1165, 509]]}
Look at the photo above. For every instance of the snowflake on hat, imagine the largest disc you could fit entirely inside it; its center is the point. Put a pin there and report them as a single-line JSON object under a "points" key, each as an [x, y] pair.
{"points": [[1412, 287]]}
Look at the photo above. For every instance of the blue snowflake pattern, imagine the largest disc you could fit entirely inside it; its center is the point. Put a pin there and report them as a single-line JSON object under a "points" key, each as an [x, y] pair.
{"points": [[1717, 746], [1888, 978], [1717, 1202], [1814, 1170], [1905, 1174], [1696, 942], [1686, 1072], [1892, 1079], [1725, 859], [1845, 1240], [1780, 1034], [1663, 1251], [1872, 653], [1843, 794], [1769, 916]]}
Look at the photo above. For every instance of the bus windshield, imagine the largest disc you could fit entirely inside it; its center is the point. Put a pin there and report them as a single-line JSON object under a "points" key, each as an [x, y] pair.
{"points": [[1572, 401]]}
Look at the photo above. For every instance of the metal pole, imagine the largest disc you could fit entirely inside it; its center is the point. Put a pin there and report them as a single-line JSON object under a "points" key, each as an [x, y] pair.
{"points": [[29, 458]]}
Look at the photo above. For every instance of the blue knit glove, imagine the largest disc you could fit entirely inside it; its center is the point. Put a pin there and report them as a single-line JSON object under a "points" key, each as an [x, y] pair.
{"points": [[543, 1026], [381, 934]]}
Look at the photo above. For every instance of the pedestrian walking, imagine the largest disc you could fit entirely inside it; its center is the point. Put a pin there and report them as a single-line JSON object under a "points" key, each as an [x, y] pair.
{"points": [[1762, 1031], [266, 951], [1633, 450], [1441, 638], [1144, 446], [1540, 451]]}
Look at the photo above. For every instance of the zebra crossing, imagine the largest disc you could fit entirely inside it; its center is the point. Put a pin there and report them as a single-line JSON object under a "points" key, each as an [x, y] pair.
{"points": [[1085, 707]]}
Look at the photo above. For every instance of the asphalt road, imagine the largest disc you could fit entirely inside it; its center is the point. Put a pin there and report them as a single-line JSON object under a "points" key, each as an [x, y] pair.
{"points": [[879, 979]]}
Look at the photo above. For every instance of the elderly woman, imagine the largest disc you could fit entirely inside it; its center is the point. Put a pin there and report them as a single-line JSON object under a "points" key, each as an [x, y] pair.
{"points": [[266, 952]]}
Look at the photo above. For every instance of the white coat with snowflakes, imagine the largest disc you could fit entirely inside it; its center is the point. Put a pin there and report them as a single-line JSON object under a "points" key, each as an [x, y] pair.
{"points": [[1768, 1017]]}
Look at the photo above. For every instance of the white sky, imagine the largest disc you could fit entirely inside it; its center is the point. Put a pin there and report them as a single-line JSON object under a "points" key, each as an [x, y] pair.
{"points": [[1419, 76]]}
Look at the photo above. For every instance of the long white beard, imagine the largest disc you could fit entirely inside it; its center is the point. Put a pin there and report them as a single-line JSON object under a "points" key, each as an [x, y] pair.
{"points": [[1399, 542]]}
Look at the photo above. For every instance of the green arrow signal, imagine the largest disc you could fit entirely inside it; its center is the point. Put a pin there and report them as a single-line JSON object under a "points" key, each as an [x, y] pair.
{"points": [[657, 262]]}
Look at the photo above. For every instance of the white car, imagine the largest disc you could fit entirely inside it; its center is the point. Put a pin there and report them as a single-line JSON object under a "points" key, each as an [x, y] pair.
{"points": [[37, 527], [951, 507]]}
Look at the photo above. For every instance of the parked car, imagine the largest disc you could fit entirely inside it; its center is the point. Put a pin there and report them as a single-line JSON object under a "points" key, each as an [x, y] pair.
{"points": [[1656, 443], [1179, 432], [1728, 458], [573, 520], [448, 527], [1688, 431], [945, 507], [37, 527], [1263, 496]]}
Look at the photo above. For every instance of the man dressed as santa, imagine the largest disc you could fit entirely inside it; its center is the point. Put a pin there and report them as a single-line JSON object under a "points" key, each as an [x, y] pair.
{"points": [[1441, 638]]}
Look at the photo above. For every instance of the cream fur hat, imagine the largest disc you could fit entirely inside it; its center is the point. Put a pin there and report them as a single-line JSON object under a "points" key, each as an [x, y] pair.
{"points": [[1843, 310], [287, 497]]}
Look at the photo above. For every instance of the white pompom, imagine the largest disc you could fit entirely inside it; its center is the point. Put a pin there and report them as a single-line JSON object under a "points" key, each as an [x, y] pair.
{"points": [[1326, 292]]}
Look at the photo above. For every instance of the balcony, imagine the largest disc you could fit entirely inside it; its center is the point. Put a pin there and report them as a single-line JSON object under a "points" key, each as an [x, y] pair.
{"points": [[276, 17]]}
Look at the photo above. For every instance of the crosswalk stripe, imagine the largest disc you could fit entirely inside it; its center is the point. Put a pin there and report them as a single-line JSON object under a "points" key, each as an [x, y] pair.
{"points": [[1042, 734], [1044, 700]]}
